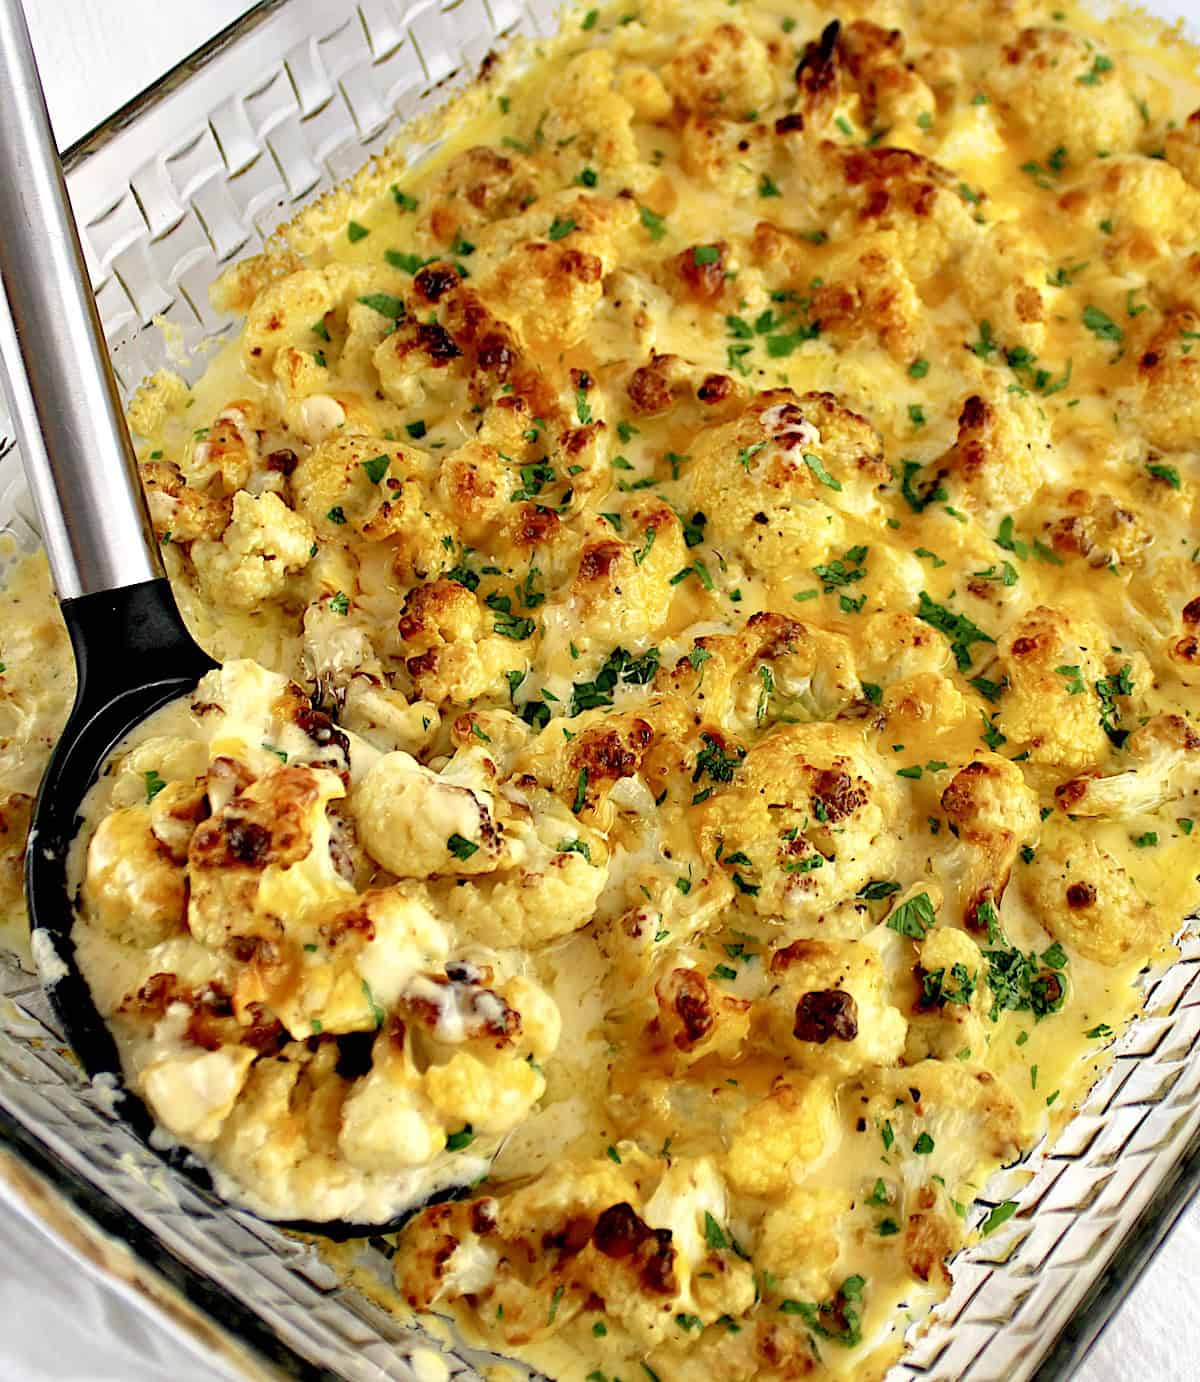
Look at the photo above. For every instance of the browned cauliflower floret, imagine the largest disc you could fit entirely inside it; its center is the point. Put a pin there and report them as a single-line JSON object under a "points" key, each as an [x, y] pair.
{"points": [[332, 487], [993, 813], [480, 185], [807, 820], [724, 72], [774, 667], [545, 888], [890, 91], [284, 312], [180, 512], [1000, 457], [875, 297], [264, 544], [1052, 708], [417, 822], [579, 1234], [964, 1118], [829, 1008], [1001, 279], [452, 647], [1149, 207], [799, 1242], [1056, 86], [949, 1020], [1162, 764], [1085, 899], [547, 290], [770, 480], [696, 1020], [796, 1124], [132, 887], [1098, 528], [1182, 148], [622, 589], [1169, 382], [241, 859], [590, 113]]}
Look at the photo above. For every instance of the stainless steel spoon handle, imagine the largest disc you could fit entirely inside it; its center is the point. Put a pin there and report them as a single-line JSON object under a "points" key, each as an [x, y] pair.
{"points": [[79, 460]]}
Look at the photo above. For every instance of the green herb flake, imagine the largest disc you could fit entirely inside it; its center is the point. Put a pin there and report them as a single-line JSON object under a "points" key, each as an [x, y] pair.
{"points": [[914, 918], [356, 232], [153, 783]]}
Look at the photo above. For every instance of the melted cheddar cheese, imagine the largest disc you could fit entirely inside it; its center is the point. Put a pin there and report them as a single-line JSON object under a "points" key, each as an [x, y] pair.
{"points": [[723, 537]]}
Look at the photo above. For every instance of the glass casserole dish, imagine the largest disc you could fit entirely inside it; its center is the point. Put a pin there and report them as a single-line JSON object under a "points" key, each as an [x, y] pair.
{"points": [[219, 154]]}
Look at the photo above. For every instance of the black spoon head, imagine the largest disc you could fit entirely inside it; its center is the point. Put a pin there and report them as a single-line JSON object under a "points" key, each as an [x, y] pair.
{"points": [[133, 656]]}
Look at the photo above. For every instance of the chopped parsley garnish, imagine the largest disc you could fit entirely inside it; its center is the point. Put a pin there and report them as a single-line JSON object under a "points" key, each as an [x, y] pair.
{"points": [[356, 232], [913, 918], [581, 783], [999, 1216], [1101, 325], [461, 847], [560, 227], [375, 468], [923, 1145], [1100, 65], [1108, 689], [714, 1234], [460, 1139], [877, 889], [385, 304], [377, 1013], [844, 571], [154, 784], [817, 466], [619, 666], [506, 623], [403, 200], [937, 990], [920, 499], [960, 630], [339, 603], [714, 761], [654, 223], [1074, 679], [1167, 473]]}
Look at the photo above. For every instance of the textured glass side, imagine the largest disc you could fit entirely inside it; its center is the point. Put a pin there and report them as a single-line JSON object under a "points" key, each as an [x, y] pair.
{"points": [[292, 103]]}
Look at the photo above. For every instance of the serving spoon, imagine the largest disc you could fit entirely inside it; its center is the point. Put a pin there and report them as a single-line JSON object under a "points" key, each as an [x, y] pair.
{"points": [[133, 652]]}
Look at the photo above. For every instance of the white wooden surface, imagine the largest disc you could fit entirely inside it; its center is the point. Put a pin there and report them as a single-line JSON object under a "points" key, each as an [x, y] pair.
{"points": [[59, 1324]]}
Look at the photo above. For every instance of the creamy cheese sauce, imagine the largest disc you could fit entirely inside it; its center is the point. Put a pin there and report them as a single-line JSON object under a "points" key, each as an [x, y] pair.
{"points": [[722, 533]]}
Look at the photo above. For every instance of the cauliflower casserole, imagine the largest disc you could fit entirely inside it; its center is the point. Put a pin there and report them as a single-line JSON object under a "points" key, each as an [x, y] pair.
{"points": [[707, 577]]}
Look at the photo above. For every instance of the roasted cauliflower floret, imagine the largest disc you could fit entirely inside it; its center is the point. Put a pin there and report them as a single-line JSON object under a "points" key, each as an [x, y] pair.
{"points": [[192, 1091], [453, 646], [769, 479], [179, 511], [264, 544], [799, 1243], [1052, 706], [1163, 758], [724, 72], [805, 822], [132, 886], [417, 822], [774, 667], [949, 1020], [263, 859], [829, 1009], [591, 113], [1000, 457], [388, 1120], [1099, 528], [1057, 87], [781, 1136], [993, 813], [696, 1019], [1169, 382], [1085, 899]]}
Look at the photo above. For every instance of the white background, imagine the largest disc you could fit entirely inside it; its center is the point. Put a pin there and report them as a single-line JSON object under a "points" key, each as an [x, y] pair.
{"points": [[59, 1325]]}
